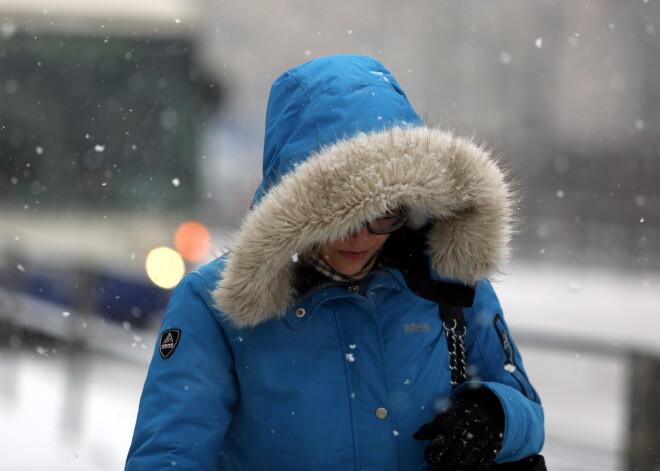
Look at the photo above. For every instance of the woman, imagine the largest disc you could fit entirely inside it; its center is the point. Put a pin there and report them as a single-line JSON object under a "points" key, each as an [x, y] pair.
{"points": [[353, 306]]}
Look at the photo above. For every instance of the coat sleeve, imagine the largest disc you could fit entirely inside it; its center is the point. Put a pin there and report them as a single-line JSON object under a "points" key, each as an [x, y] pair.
{"points": [[494, 362], [188, 397]]}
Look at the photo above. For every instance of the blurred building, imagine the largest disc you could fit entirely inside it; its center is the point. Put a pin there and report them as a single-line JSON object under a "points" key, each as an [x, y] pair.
{"points": [[565, 91], [120, 121]]}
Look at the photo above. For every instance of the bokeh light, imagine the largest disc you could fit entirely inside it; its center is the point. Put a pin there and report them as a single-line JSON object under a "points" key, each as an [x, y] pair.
{"points": [[165, 267], [192, 240]]}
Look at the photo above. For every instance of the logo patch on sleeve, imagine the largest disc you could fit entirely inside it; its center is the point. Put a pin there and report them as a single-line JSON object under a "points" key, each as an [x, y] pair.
{"points": [[168, 342]]}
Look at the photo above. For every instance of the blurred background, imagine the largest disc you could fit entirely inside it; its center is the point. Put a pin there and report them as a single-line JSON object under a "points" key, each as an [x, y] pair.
{"points": [[130, 146]]}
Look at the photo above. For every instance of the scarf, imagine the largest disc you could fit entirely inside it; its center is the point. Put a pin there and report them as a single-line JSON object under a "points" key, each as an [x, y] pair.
{"points": [[320, 266]]}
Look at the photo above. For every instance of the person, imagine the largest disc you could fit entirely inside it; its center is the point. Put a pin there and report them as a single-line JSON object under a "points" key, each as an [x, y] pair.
{"points": [[352, 325]]}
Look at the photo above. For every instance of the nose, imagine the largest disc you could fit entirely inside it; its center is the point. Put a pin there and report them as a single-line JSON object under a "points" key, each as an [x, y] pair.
{"points": [[359, 236]]}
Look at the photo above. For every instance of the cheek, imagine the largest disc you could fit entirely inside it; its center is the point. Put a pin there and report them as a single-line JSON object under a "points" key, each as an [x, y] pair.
{"points": [[326, 251], [380, 240]]}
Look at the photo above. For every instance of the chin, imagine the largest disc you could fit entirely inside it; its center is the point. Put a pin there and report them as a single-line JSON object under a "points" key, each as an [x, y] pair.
{"points": [[350, 271]]}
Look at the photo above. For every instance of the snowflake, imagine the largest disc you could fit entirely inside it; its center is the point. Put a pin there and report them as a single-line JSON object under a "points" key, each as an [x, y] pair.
{"points": [[509, 368]]}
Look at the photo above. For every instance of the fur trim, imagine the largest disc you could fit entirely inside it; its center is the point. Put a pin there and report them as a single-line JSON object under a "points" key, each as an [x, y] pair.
{"points": [[448, 179]]}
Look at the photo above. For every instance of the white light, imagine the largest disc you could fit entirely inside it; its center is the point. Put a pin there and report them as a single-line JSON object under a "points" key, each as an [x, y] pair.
{"points": [[165, 267]]}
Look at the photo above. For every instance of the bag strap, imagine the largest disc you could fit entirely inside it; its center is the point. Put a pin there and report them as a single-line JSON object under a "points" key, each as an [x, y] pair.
{"points": [[453, 322], [405, 251]]}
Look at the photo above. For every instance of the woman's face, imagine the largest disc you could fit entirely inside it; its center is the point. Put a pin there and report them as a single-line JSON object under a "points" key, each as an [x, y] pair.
{"points": [[348, 256]]}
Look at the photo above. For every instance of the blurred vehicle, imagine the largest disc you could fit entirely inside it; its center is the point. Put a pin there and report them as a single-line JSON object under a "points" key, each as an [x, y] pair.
{"points": [[100, 132]]}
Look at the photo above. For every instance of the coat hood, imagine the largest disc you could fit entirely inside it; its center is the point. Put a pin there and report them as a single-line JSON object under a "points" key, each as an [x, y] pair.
{"points": [[343, 145], [314, 105]]}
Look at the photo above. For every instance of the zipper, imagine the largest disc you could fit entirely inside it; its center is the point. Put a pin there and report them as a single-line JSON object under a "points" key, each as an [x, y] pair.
{"points": [[321, 287], [510, 364]]}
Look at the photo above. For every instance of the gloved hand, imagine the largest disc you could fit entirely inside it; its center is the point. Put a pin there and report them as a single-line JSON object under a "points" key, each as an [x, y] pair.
{"points": [[466, 435]]}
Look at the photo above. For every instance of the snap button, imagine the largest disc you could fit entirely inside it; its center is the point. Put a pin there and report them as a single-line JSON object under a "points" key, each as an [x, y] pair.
{"points": [[300, 312], [381, 413]]}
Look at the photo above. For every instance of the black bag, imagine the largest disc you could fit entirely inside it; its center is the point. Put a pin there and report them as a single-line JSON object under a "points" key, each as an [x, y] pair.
{"points": [[531, 463]]}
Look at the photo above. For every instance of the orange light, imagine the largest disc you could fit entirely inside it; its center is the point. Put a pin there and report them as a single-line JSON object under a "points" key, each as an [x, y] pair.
{"points": [[192, 240]]}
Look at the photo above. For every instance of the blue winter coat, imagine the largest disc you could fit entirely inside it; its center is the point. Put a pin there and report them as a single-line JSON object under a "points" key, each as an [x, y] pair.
{"points": [[253, 372]]}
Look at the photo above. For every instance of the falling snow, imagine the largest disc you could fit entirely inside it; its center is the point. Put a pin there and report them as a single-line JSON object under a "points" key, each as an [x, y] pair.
{"points": [[505, 58], [640, 126]]}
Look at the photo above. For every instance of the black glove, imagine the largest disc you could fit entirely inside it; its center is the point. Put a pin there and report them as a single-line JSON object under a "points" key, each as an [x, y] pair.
{"points": [[467, 435]]}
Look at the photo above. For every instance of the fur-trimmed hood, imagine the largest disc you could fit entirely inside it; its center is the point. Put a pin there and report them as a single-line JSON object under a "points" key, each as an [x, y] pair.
{"points": [[324, 183]]}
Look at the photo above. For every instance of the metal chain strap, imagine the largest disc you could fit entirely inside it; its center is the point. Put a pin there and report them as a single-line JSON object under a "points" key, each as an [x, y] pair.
{"points": [[457, 365]]}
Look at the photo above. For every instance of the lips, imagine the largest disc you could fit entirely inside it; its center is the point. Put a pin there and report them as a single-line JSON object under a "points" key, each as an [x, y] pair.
{"points": [[354, 255]]}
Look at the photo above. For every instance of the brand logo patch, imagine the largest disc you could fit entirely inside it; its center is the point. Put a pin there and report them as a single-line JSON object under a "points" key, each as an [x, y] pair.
{"points": [[168, 342], [419, 328]]}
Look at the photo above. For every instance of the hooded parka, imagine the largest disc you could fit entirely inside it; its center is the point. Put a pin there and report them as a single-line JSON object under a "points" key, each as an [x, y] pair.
{"points": [[264, 365]]}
